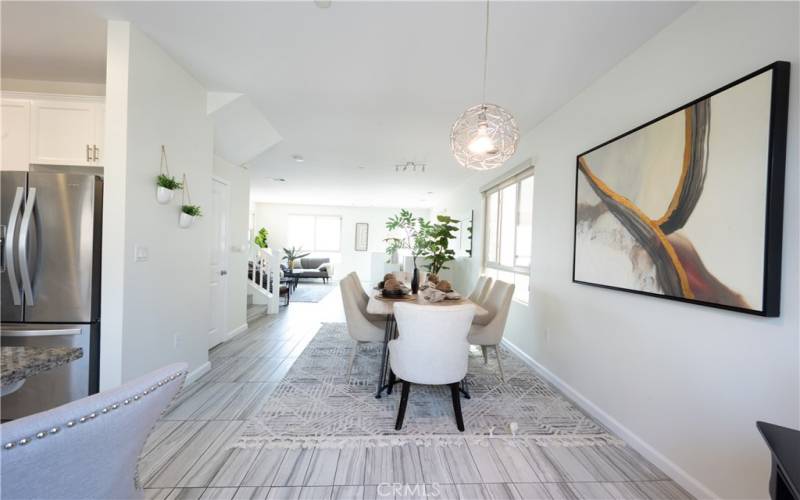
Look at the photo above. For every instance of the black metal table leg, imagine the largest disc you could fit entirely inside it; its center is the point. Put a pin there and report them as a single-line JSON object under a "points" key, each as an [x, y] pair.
{"points": [[387, 332], [465, 388]]}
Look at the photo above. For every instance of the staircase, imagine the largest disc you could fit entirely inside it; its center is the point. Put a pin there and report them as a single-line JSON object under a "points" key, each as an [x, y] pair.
{"points": [[263, 281]]}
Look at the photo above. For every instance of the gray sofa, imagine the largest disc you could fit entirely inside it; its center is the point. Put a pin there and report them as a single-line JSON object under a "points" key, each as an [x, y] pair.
{"points": [[311, 267]]}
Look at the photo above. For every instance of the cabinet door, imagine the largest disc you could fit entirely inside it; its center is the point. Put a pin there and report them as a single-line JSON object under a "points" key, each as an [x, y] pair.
{"points": [[99, 133], [15, 121], [62, 132]]}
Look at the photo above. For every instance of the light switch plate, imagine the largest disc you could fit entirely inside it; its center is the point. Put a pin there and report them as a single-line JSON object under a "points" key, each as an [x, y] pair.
{"points": [[141, 253]]}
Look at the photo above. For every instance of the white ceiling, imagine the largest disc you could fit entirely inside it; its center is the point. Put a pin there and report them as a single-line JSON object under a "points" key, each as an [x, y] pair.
{"points": [[362, 86], [51, 41]]}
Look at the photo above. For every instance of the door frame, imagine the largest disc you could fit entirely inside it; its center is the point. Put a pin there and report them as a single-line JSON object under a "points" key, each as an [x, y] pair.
{"points": [[224, 334]]}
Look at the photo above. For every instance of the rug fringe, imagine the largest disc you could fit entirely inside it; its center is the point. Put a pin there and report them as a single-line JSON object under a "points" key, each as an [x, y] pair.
{"points": [[451, 440]]}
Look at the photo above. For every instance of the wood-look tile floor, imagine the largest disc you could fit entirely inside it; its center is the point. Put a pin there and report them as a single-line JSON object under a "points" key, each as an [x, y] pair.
{"points": [[187, 456]]}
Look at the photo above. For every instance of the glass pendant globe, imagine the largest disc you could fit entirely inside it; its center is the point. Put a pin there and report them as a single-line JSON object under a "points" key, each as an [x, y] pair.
{"points": [[484, 137]]}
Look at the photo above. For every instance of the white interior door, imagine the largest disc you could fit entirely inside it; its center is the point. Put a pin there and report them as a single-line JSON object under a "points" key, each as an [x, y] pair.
{"points": [[218, 283]]}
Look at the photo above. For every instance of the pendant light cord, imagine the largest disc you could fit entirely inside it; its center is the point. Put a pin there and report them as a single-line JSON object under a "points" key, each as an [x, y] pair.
{"points": [[485, 53]]}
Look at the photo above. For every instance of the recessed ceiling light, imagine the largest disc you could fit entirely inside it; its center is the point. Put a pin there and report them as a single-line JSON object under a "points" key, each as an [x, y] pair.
{"points": [[322, 4], [430, 192], [298, 158], [277, 179]]}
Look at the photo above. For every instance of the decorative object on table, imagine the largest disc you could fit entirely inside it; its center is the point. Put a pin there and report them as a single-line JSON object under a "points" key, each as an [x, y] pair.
{"points": [[690, 205], [166, 185], [362, 236], [261, 238], [444, 286], [433, 278], [320, 370], [189, 212], [415, 237], [443, 231], [293, 254], [431, 294], [485, 135], [392, 288]]}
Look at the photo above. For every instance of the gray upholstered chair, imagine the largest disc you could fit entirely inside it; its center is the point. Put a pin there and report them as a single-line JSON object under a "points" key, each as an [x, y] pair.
{"points": [[487, 331], [481, 290], [88, 448], [362, 328]]}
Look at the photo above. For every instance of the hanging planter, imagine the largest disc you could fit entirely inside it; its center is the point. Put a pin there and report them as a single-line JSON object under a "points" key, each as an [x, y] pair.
{"points": [[189, 212], [166, 185]]}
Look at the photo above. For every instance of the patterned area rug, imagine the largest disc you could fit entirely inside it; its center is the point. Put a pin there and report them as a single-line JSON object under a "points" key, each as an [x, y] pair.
{"points": [[314, 405], [308, 291]]}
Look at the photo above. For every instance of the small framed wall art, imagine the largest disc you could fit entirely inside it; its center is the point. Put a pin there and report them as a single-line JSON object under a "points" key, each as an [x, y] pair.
{"points": [[362, 236]]}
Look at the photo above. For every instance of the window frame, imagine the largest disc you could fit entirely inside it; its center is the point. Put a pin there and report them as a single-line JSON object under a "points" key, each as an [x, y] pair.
{"points": [[314, 233], [517, 179]]}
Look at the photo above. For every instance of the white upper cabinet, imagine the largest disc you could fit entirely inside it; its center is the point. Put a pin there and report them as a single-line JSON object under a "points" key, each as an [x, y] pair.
{"points": [[66, 132], [15, 122]]}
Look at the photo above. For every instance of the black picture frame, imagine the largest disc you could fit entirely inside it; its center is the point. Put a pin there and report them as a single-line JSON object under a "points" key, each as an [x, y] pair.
{"points": [[776, 167]]}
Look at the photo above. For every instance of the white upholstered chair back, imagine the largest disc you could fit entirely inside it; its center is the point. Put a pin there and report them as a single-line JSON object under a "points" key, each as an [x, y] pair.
{"points": [[481, 289], [87, 449], [432, 345], [360, 328]]}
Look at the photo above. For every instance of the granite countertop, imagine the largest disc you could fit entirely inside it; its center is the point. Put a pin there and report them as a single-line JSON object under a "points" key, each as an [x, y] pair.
{"points": [[18, 363]]}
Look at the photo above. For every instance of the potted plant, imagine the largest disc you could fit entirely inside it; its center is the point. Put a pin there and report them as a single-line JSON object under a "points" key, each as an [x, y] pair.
{"points": [[261, 238], [188, 215], [293, 255], [438, 251], [415, 237], [166, 187]]}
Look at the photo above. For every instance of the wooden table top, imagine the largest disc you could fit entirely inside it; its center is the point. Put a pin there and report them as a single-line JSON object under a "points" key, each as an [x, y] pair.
{"points": [[378, 304]]}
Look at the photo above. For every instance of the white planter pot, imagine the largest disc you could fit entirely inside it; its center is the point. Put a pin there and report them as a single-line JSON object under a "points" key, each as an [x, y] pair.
{"points": [[164, 195], [186, 220]]}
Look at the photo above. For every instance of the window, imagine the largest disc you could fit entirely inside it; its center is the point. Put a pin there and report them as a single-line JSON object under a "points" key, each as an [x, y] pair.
{"points": [[509, 232], [315, 233]]}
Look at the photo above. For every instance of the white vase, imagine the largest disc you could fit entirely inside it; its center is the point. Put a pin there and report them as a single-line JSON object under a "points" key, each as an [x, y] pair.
{"points": [[185, 220], [164, 195]]}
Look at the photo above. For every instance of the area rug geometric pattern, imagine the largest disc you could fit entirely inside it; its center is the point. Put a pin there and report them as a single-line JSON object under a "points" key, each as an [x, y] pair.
{"points": [[315, 406]]}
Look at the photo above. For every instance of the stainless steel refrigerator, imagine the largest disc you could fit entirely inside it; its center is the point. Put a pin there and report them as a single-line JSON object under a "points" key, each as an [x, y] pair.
{"points": [[50, 231]]}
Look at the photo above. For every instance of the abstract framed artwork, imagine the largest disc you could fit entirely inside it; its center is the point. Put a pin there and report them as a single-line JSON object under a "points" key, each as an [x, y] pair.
{"points": [[689, 206]]}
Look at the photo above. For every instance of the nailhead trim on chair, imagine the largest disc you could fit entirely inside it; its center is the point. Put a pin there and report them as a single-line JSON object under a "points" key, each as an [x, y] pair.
{"points": [[71, 423]]}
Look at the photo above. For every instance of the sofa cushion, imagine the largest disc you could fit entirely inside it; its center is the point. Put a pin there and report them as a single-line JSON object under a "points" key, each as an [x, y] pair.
{"points": [[313, 262]]}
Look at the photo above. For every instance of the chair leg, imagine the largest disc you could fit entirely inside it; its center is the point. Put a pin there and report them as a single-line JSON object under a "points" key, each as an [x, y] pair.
{"points": [[457, 406], [485, 352], [352, 359], [499, 364], [392, 379], [401, 411]]}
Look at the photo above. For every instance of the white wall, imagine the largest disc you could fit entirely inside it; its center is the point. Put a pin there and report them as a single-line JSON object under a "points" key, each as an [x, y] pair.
{"points": [[275, 217], [153, 312], [238, 179], [688, 382]]}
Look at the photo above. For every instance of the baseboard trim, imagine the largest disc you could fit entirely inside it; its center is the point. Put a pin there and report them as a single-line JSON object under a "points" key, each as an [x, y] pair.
{"points": [[236, 331], [198, 372], [680, 476]]}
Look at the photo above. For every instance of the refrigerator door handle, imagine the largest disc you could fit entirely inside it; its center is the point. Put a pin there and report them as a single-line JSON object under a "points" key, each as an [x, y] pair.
{"points": [[8, 249], [24, 233], [39, 333]]}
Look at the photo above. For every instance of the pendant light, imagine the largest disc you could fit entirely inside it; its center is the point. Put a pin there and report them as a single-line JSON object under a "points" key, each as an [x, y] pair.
{"points": [[485, 135]]}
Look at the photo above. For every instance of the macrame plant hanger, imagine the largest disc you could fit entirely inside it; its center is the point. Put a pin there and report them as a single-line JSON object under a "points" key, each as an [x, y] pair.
{"points": [[164, 167], [185, 195], [163, 194]]}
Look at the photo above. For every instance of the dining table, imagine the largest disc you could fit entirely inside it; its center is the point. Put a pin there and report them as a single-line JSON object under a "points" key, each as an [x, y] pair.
{"points": [[384, 306]]}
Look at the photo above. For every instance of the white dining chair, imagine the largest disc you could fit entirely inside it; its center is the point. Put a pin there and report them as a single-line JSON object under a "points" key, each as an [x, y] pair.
{"points": [[88, 448], [487, 331], [431, 349], [362, 298], [361, 328], [481, 290]]}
